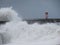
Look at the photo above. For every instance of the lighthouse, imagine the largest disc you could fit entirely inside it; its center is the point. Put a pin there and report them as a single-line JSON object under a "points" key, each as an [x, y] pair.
{"points": [[46, 15]]}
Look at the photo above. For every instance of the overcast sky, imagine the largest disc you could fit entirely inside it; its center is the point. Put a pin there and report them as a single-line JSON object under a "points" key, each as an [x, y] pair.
{"points": [[30, 9]]}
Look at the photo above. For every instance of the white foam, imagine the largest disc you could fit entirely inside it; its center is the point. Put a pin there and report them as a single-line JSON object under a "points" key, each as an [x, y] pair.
{"points": [[22, 33], [7, 14]]}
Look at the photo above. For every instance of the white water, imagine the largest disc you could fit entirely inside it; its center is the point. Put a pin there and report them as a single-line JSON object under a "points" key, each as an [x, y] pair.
{"points": [[18, 32]]}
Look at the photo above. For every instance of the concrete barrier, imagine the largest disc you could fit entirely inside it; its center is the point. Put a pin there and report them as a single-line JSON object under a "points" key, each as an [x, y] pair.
{"points": [[41, 21]]}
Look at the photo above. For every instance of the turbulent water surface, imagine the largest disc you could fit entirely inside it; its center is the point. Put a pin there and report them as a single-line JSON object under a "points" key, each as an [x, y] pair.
{"points": [[18, 32]]}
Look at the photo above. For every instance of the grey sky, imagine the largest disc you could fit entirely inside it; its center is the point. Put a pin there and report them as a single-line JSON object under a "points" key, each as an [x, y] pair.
{"points": [[30, 9]]}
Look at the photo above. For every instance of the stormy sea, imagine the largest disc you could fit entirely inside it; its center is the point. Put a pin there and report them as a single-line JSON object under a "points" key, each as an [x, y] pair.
{"points": [[18, 32]]}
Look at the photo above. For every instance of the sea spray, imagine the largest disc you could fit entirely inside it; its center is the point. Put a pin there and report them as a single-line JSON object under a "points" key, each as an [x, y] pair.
{"points": [[8, 14], [21, 33]]}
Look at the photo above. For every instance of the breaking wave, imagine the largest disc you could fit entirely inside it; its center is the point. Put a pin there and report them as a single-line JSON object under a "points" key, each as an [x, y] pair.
{"points": [[18, 32]]}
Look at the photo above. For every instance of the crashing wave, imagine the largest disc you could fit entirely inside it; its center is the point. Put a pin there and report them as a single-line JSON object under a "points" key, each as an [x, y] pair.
{"points": [[17, 32], [8, 14]]}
